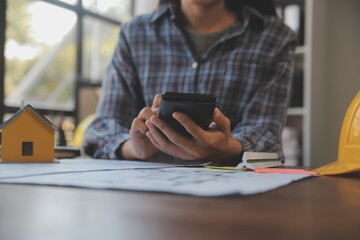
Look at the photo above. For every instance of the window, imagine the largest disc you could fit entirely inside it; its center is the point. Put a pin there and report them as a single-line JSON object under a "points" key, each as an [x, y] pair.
{"points": [[54, 47], [27, 148]]}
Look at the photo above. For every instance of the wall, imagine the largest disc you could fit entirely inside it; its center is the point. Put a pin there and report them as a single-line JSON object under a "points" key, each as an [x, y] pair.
{"points": [[335, 73], [343, 61]]}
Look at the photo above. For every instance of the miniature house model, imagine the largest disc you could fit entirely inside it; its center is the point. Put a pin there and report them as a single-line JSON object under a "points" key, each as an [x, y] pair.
{"points": [[27, 137]]}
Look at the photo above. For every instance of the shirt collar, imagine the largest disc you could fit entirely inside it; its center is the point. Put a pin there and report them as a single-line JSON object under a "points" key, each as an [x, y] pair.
{"points": [[253, 16], [249, 15], [162, 10]]}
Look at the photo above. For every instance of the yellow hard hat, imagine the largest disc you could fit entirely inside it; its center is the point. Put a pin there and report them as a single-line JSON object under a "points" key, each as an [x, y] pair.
{"points": [[80, 130], [349, 144]]}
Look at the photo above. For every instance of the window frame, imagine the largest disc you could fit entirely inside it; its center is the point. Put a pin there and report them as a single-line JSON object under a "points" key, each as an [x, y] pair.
{"points": [[80, 81], [2, 56]]}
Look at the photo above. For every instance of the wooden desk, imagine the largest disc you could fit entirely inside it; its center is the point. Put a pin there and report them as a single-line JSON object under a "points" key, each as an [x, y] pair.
{"points": [[315, 208]]}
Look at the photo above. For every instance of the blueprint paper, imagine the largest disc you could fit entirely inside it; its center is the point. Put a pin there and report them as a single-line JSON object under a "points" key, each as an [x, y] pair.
{"points": [[14, 170], [180, 180]]}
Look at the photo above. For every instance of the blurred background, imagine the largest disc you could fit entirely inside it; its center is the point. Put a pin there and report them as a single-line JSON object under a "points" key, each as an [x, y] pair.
{"points": [[55, 53]]}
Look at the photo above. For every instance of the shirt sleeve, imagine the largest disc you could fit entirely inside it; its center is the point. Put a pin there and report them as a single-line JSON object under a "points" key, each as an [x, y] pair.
{"points": [[264, 116], [121, 99]]}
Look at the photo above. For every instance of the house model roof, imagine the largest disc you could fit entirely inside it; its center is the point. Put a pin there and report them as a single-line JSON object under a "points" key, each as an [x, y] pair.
{"points": [[22, 110]]}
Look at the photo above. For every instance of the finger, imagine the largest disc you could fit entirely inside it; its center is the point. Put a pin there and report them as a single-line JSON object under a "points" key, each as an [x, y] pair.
{"points": [[153, 141], [159, 137], [146, 113], [155, 111], [138, 125], [170, 150], [172, 142], [156, 101], [160, 140], [171, 134], [222, 122], [194, 129]]}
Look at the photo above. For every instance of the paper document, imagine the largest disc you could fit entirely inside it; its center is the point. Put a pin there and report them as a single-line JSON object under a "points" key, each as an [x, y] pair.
{"points": [[143, 176], [14, 170]]}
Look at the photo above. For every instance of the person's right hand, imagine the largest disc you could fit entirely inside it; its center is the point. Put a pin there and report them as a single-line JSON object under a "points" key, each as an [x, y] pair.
{"points": [[139, 146]]}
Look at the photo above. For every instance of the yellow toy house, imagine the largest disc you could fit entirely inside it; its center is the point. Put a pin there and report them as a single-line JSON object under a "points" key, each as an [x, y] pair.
{"points": [[27, 137]]}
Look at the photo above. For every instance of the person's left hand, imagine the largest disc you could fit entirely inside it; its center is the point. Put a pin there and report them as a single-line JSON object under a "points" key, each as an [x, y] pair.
{"points": [[217, 143]]}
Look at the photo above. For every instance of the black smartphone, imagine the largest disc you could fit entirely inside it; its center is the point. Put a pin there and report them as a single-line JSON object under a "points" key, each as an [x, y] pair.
{"points": [[199, 107]]}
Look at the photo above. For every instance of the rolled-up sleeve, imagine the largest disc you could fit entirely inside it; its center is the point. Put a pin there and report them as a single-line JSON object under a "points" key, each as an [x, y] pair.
{"points": [[121, 100], [265, 114]]}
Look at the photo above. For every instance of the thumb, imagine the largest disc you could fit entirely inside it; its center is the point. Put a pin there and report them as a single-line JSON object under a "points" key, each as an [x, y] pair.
{"points": [[222, 122], [156, 101]]}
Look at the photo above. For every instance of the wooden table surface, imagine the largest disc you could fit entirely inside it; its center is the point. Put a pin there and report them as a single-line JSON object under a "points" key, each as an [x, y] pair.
{"points": [[314, 208]]}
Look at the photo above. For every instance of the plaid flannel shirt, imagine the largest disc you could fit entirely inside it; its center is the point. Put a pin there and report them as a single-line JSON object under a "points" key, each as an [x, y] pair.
{"points": [[249, 70]]}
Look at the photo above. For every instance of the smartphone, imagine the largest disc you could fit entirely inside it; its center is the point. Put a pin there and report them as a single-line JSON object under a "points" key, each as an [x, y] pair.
{"points": [[199, 107]]}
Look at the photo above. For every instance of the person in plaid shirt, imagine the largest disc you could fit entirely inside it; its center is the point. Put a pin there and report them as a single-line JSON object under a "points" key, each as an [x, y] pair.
{"points": [[237, 50]]}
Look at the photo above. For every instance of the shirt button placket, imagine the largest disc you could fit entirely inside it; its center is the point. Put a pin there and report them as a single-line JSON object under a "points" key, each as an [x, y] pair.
{"points": [[195, 66]]}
